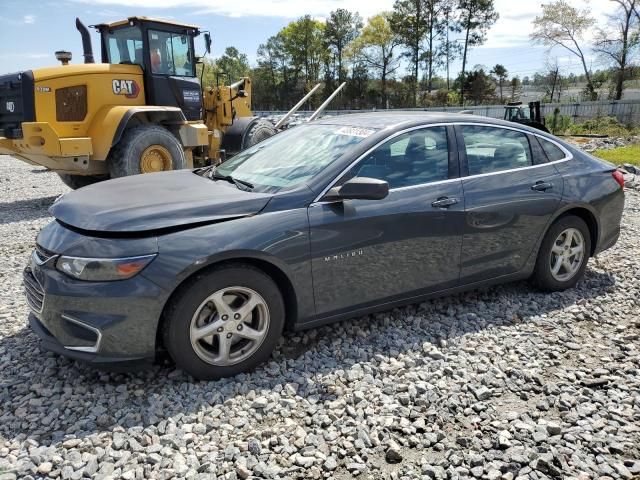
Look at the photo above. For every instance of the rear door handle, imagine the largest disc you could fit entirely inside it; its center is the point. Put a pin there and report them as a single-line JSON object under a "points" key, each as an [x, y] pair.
{"points": [[444, 202], [542, 186]]}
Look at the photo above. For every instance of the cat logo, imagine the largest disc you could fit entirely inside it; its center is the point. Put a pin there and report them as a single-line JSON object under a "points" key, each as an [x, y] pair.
{"points": [[128, 88]]}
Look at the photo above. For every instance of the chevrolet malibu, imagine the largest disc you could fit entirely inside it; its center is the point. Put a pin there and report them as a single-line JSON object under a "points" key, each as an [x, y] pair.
{"points": [[327, 220]]}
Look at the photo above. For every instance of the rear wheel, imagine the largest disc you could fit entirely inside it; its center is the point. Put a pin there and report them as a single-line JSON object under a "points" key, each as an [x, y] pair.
{"points": [[78, 181], [257, 132], [224, 322], [146, 149], [563, 255]]}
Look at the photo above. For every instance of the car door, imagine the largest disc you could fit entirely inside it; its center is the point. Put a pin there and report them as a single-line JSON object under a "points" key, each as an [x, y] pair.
{"points": [[510, 194], [368, 252]]}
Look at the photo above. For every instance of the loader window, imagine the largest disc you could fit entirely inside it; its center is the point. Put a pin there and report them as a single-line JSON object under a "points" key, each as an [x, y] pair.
{"points": [[171, 54], [124, 45]]}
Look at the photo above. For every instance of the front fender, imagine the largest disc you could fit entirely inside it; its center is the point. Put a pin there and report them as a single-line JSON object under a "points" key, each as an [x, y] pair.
{"points": [[278, 241], [111, 121]]}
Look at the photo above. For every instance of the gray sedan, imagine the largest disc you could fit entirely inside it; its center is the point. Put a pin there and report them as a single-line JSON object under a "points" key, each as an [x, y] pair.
{"points": [[328, 220]]}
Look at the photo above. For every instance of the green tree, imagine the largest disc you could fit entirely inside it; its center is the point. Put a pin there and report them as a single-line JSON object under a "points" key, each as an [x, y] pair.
{"points": [[375, 48], [234, 64], [618, 42], [271, 77], [303, 41], [342, 28], [475, 17], [501, 75], [515, 85], [479, 87], [409, 23], [564, 25], [206, 70], [437, 48]]}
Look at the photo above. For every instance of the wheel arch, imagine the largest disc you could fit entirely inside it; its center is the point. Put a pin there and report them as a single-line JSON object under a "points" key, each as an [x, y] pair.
{"points": [[275, 272], [588, 215], [110, 123]]}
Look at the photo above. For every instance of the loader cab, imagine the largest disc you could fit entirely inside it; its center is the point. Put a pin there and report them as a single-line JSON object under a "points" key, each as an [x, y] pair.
{"points": [[515, 112], [165, 51]]}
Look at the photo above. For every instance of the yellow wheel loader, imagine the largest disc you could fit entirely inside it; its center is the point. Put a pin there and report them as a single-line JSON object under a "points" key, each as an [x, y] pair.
{"points": [[141, 110]]}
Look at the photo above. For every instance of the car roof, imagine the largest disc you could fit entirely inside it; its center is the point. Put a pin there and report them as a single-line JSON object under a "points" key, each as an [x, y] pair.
{"points": [[397, 118]]}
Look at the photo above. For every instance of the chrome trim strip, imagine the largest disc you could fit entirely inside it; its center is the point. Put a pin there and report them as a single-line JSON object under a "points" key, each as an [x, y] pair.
{"points": [[515, 169], [38, 259], [569, 156], [92, 259], [41, 255], [95, 347]]}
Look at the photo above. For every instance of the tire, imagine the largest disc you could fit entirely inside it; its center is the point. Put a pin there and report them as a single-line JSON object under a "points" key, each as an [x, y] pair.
{"points": [[78, 181], [554, 242], [146, 149], [257, 132], [192, 309]]}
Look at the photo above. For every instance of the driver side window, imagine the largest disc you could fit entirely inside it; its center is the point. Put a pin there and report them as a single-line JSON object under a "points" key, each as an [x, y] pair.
{"points": [[413, 158]]}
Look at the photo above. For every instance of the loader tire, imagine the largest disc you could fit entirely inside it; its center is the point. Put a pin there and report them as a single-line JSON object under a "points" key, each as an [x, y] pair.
{"points": [[146, 149], [75, 182], [257, 132]]}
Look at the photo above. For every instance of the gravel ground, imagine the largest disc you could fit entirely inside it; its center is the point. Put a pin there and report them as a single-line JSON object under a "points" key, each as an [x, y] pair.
{"points": [[502, 383]]}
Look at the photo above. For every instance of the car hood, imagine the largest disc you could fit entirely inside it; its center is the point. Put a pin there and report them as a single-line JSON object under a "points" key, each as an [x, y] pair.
{"points": [[143, 203]]}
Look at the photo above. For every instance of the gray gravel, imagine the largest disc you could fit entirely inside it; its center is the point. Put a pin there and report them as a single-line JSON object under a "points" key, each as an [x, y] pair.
{"points": [[505, 383]]}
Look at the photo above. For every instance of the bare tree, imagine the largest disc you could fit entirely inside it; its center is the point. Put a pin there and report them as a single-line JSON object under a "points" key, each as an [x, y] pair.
{"points": [[553, 76], [619, 41], [563, 25]]}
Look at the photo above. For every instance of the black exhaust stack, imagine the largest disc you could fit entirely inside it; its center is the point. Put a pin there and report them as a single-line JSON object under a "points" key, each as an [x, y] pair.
{"points": [[86, 42]]}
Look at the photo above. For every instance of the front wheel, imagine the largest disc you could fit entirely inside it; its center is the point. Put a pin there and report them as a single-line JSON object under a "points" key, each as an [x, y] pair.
{"points": [[563, 255], [224, 322], [146, 149]]}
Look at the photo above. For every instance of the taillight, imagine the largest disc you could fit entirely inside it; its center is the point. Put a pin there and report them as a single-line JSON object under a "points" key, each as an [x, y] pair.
{"points": [[618, 177]]}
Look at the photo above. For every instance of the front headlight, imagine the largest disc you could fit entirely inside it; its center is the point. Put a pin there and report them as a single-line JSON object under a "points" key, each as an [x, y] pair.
{"points": [[103, 269]]}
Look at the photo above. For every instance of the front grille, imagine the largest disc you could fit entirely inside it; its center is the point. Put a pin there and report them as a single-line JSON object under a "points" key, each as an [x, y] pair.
{"points": [[17, 103], [42, 254], [35, 294], [71, 103]]}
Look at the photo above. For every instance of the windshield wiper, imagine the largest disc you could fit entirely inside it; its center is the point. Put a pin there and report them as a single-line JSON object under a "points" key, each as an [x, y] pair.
{"points": [[241, 184]]}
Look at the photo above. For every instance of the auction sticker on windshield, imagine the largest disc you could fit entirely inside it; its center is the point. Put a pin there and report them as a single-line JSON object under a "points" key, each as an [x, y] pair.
{"points": [[355, 131]]}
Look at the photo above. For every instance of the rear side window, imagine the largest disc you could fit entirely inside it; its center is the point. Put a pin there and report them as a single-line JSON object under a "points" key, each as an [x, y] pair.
{"points": [[553, 151], [491, 149]]}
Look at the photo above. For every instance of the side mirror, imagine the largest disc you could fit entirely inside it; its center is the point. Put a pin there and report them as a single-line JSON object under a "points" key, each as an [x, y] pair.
{"points": [[207, 42], [360, 188]]}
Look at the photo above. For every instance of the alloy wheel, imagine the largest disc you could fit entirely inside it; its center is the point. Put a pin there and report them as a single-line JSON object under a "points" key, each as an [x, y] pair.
{"points": [[229, 326], [567, 254]]}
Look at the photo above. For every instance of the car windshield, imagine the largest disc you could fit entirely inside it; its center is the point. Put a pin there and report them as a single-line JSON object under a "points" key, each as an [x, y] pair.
{"points": [[292, 157]]}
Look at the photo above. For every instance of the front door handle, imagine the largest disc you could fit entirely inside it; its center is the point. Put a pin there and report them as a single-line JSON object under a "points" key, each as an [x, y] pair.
{"points": [[542, 186], [444, 202]]}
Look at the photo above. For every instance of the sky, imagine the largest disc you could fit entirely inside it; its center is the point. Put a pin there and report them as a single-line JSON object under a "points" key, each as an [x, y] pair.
{"points": [[31, 30]]}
